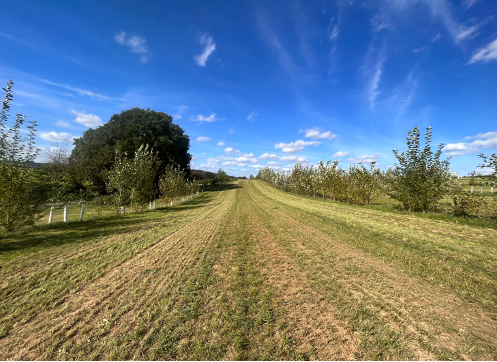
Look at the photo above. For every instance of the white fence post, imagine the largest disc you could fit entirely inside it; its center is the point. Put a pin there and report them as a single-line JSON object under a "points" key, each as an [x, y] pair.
{"points": [[481, 189], [82, 212], [50, 216], [122, 209], [492, 190], [154, 204], [65, 213], [471, 189], [150, 205], [171, 202]]}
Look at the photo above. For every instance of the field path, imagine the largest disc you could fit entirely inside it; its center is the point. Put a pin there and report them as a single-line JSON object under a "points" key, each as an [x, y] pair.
{"points": [[252, 272]]}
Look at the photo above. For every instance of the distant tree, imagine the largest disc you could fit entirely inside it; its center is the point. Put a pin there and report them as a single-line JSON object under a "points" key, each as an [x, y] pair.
{"points": [[22, 192], [420, 179], [251, 176], [93, 153], [221, 177]]}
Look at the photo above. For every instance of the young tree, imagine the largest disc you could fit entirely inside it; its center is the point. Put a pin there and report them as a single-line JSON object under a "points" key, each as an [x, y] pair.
{"points": [[21, 190], [221, 177], [421, 179]]}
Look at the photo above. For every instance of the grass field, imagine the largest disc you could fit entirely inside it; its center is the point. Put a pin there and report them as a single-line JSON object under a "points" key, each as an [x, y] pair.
{"points": [[250, 272]]}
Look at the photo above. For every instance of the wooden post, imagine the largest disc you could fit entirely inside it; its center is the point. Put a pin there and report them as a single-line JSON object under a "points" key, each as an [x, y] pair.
{"points": [[65, 213], [50, 216], [82, 212]]}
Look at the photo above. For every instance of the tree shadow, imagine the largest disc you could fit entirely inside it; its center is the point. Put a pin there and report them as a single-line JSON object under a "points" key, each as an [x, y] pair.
{"points": [[79, 232]]}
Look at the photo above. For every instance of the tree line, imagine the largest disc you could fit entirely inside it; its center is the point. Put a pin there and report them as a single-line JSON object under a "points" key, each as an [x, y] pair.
{"points": [[418, 181], [137, 155]]}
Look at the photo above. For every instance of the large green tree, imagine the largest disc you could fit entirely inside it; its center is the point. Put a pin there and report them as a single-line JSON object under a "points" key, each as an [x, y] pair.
{"points": [[93, 153]]}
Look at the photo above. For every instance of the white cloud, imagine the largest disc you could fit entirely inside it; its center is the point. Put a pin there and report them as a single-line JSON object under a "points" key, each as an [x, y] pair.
{"points": [[485, 54], [267, 156], [221, 143], [467, 33], [293, 159], [365, 158], [57, 137], [341, 154], [436, 37], [89, 120], [209, 47], [182, 109], [204, 139], [232, 130], [378, 22], [62, 124], [273, 163], [296, 146], [469, 3], [252, 114], [424, 49], [482, 141], [231, 151], [202, 118], [81, 92], [316, 134], [135, 43], [375, 81], [483, 136]]}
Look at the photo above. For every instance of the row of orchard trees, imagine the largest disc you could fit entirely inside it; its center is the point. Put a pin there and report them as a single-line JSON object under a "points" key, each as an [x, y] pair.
{"points": [[418, 181], [355, 185]]}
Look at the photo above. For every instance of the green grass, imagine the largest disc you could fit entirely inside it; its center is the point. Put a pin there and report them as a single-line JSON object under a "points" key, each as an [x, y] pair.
{"points": [[249, 272]]}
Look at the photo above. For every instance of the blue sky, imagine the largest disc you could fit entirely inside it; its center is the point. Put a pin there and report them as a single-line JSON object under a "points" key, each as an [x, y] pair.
{"points": [[256, 83]]}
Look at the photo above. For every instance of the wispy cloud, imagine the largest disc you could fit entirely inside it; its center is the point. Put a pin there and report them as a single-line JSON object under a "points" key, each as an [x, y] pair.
{"points": [[209, 47], [374, 82], [379, 22], [88, 120], [82, 92], [485, 54], [316, 134], [202, 118], [296, 146], [467, 33], [62, 124], [424, 49], [182, 109], [469, 3], [232, 130], [136, 44], [252, 115], [204, 139], [436, 37]]}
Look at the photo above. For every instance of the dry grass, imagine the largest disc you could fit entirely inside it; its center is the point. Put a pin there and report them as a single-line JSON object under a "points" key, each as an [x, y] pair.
{"points": [[250, 272]]}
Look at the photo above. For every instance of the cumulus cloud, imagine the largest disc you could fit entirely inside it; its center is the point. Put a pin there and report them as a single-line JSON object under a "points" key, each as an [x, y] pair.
{"points": [[365, 158], [182, 109], [341, 154], [202, 118], [135, 43], [267, 156], [209, 47], [252, 115], [231, 151], [221, 143], [293, 159], [296, 146], [481, 141], [62, 124], [485, 54], [57, 137], [316, 134], [88, 120], [204, 139], [273, 163]]}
